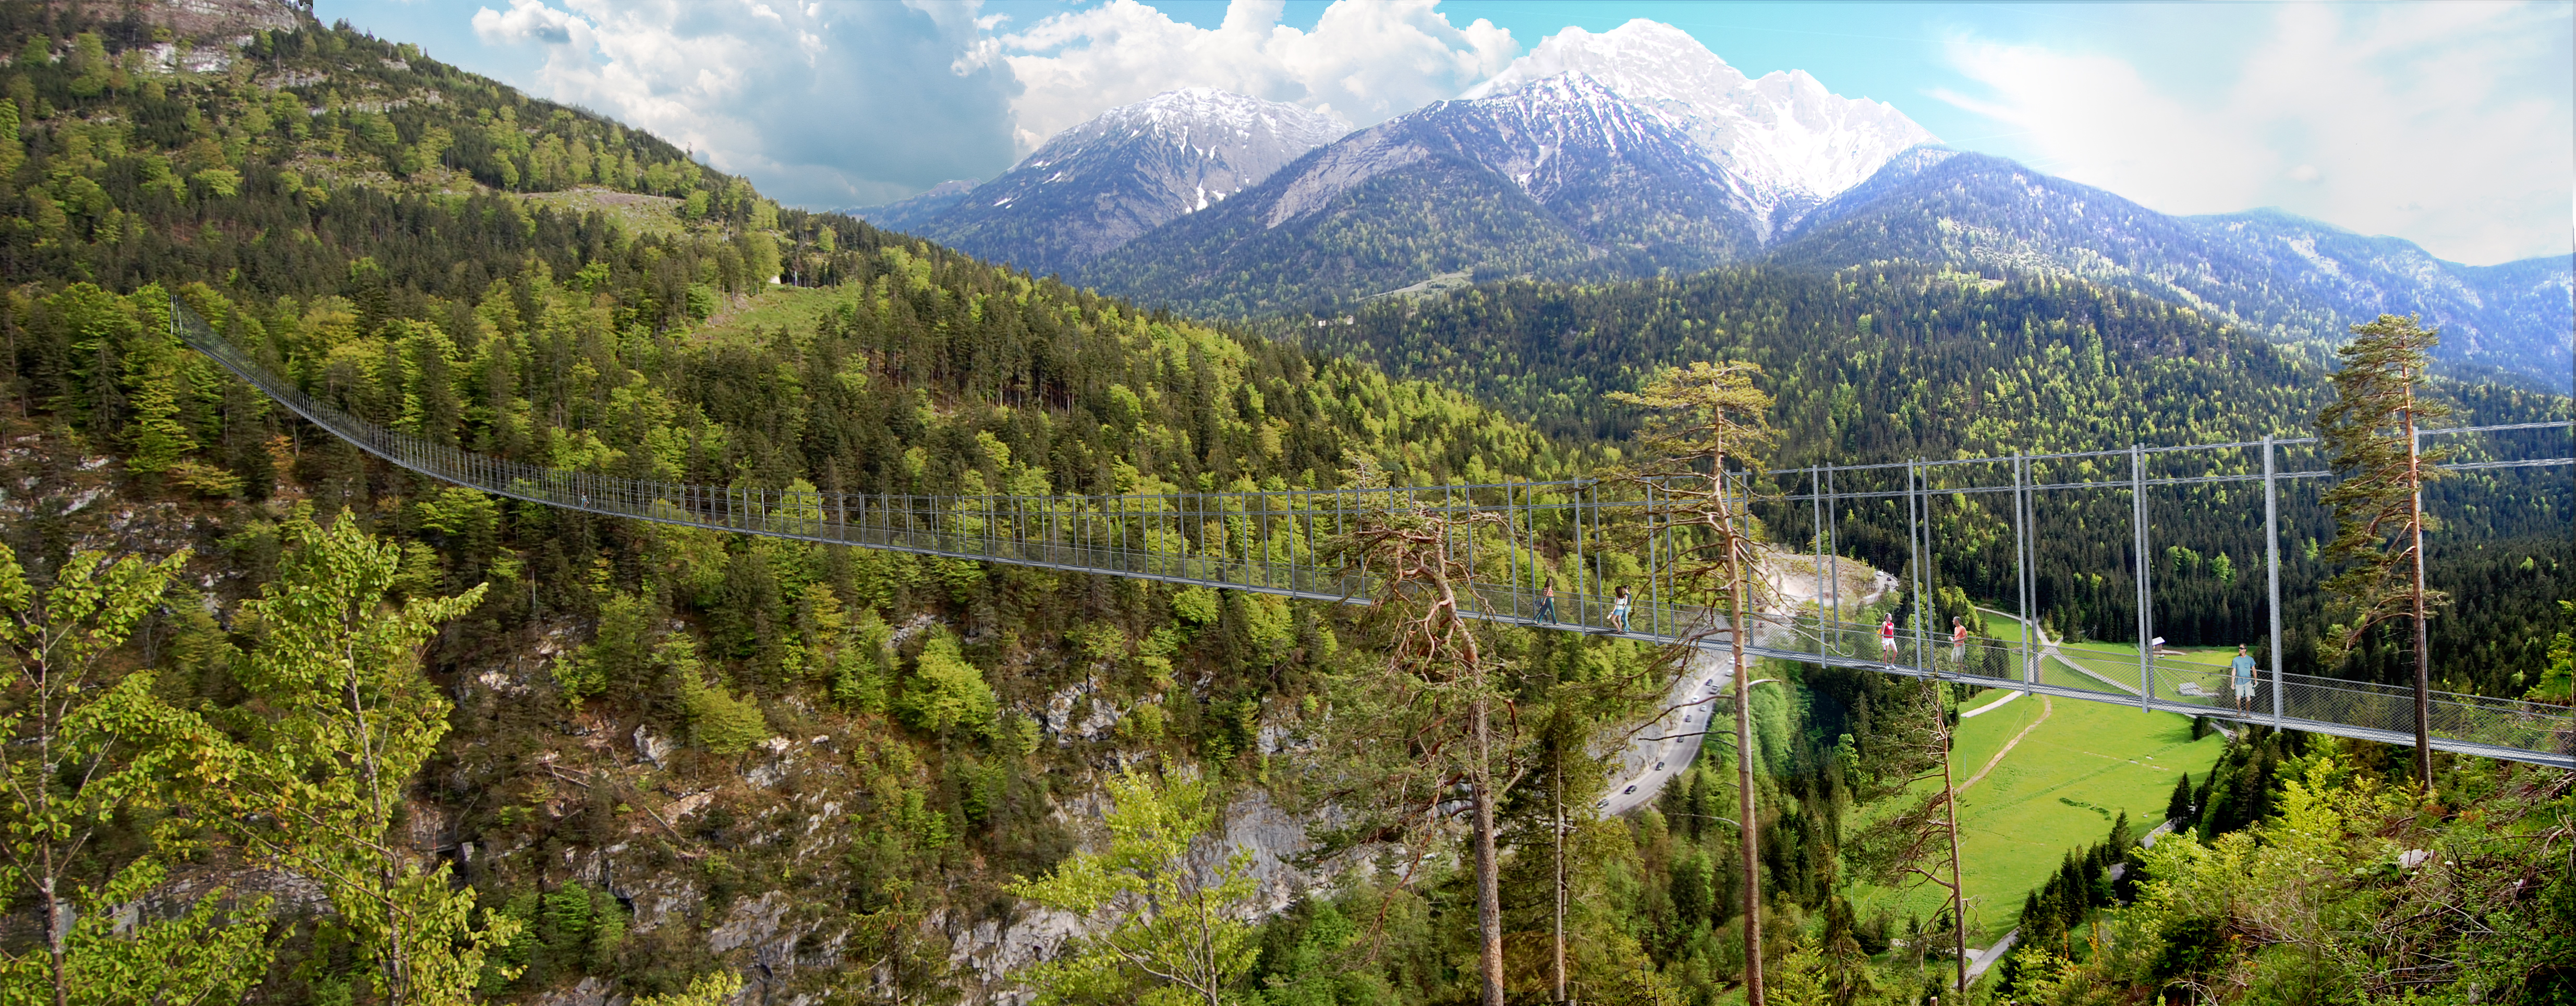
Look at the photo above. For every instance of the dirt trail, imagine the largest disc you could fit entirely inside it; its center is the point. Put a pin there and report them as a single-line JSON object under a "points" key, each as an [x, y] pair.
{"points": [[2045, 708]]}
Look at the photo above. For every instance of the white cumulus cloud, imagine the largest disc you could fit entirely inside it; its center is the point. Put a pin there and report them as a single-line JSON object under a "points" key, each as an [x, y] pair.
{"points": [[1365, 60], [2416, 120], [819, 104], [843, 104]]}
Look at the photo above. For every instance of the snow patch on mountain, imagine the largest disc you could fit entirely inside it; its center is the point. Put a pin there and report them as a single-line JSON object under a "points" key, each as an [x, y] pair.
{"points": [[1217, 142], [1129, 170], [1790, 142]]}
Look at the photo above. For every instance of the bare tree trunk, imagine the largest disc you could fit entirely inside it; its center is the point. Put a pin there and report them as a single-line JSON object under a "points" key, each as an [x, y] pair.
{"points": [[1557, 965], [2423, 641], [1489, 892], [1744, 775], [57, 938], [1950, 800]]}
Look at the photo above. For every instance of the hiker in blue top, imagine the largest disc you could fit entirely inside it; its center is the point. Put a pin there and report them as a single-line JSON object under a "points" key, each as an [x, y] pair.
{"points": [[2242, 669]]}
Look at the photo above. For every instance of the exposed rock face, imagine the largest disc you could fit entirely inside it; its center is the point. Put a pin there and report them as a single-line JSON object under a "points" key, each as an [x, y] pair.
{"points": [[200, 18]]}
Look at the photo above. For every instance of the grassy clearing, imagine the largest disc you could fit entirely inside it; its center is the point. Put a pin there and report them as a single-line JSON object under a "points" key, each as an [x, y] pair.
{"points": [[634, 212], [794, 308], [2204, 667], [2057, 791]]}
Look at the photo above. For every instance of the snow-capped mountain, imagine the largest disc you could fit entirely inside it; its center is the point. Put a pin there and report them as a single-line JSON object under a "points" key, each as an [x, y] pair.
{"points": [[1094, 187], [1790, 142], [1561, 177]]}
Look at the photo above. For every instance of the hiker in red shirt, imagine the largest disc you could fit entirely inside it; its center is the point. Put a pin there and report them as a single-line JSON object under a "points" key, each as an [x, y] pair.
{"points": [[1887, 639]]}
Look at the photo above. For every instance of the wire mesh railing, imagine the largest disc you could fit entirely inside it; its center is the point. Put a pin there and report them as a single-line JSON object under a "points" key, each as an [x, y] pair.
{"points": [[1544, 554]]}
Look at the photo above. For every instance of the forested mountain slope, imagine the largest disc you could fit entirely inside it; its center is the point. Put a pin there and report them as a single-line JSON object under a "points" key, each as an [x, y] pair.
{"points": [[639, 757], [1889, 363], [1562, 178], [656, 753], [2287, 278]]}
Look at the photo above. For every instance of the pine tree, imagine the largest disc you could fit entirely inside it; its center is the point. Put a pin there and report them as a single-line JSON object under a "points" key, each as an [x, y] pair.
{"points": [[1709, 419], [2373, 429], [2179, 806]]}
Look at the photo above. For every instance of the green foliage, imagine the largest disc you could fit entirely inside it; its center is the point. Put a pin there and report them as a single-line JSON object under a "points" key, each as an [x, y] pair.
{"points": [[573, 930], [859, 666], [1197, 605], [1169, 901], [719, 720], [85, 747], [946, 693], [2379, 404], [718, 988], [620, 651], [2557, 683], [1891, 362], [346, 721]]}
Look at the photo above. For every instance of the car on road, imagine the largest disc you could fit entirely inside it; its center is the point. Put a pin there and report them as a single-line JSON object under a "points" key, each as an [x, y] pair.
{"points": [[1659, 766], [1627, 791]]}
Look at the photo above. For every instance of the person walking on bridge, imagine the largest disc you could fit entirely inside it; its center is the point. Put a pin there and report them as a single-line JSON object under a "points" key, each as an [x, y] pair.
{"points": [[1547, 602], [1619, 610], [1887, 640], [2241, 671], [1959, 643]]}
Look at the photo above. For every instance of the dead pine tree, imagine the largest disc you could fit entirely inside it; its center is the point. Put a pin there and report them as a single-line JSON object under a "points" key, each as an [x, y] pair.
{"points": [[1707, 426], [1437, 668], [2372, 430], [1905, 849]]}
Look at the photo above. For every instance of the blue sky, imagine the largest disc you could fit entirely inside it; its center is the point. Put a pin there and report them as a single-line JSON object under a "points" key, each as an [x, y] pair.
{"points": [[2450, 124]]}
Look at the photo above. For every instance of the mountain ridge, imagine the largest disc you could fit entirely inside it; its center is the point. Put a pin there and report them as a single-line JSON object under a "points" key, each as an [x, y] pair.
{"points": [[2289, 278], [1563, 178], [1126, 171]]}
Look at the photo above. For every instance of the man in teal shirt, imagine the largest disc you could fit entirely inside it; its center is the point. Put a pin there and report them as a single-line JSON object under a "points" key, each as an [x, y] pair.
{"points": [[2242, 670]]}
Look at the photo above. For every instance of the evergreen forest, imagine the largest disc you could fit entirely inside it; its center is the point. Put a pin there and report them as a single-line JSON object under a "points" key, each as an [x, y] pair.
{"points": [[285, 724], [1895, 363]]}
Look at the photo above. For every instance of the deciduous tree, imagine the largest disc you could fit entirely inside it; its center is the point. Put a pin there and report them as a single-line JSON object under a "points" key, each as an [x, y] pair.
{"points": [[81, 745], [347, 722], [1174, 903]]}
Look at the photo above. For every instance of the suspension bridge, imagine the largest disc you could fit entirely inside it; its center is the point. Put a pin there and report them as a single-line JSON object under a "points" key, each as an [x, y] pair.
{"points": [[1276, 542]]}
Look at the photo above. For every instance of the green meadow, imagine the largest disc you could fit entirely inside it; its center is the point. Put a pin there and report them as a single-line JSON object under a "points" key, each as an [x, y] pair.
{"points": [[2058, 790]]}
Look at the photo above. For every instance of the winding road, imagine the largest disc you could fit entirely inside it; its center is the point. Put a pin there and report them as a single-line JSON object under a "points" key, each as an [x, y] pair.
{"points": [[1663, 749]]}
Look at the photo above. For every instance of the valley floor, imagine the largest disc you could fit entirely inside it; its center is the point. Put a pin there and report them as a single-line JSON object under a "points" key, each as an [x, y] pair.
{"points": [[2058, 789]]}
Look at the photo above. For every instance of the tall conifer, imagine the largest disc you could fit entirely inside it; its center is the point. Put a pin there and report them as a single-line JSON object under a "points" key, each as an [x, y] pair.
{"points": [[2373, 429]]}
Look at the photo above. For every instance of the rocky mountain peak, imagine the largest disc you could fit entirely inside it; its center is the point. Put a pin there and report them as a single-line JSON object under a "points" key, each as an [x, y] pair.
{"points": [[1128, 170], [1238, 134], [1791, 142]]}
